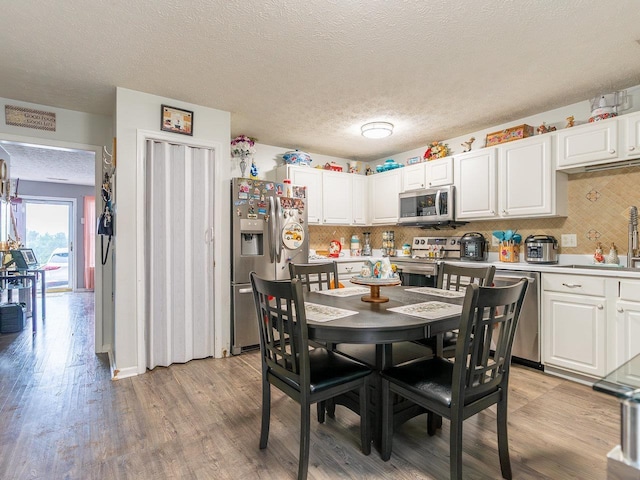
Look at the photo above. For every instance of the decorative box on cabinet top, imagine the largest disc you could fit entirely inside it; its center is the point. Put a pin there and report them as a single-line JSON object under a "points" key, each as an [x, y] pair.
{"points": [[509, 135]]}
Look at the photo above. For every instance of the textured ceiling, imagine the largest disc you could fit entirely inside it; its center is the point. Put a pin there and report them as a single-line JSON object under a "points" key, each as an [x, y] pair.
{"points": [[52, 165], [307, 74]]}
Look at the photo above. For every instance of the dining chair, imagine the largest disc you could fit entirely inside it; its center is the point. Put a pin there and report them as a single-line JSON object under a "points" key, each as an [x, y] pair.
{"points": [[306, 375], [315, 276], [473, 382], [457, 277]]}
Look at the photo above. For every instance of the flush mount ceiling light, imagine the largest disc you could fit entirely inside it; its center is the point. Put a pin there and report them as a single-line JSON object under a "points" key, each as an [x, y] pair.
{"points": [[377, 129]]}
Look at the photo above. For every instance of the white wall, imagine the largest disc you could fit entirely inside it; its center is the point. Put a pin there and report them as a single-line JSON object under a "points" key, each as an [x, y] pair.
{"points": [[581, 111], [71, 126], [268, 157], [140, 111]]}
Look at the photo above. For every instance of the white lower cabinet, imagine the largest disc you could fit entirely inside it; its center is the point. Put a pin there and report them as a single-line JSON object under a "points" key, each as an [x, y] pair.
{"points": [[590, 324], [575, 332], [347, 270], [627, 323]]}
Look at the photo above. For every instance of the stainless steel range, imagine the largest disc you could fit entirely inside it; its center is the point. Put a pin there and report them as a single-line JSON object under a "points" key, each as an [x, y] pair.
{"points": [[421, 269]]}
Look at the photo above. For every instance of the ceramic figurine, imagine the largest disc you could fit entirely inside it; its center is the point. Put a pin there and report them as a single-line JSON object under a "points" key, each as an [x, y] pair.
{"points": [[253, 171], [544, 129], [570, 122], [598, 257], [467, 144], [613, 255]]}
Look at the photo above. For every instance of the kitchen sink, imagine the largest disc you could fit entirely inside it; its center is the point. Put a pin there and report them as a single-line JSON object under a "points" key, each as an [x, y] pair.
{"points": [[602, 267]]}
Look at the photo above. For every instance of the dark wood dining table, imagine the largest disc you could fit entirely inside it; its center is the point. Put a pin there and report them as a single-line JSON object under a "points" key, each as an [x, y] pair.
{"points": [[376, 324]]}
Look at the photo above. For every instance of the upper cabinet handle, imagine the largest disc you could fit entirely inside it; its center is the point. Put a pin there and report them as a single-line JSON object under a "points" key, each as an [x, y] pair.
{"points": [[612, 151], [632, 148]]}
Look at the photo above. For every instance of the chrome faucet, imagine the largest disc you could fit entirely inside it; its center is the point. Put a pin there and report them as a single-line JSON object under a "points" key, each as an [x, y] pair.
{"points": [[632, 252]]}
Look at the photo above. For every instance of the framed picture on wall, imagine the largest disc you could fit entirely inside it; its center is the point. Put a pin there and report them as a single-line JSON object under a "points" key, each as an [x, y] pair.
{"points": [[176, 120]]}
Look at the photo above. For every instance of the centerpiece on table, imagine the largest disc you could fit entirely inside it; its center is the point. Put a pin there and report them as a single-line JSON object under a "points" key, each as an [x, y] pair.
{"points": [[376, 274], [243, 147]]}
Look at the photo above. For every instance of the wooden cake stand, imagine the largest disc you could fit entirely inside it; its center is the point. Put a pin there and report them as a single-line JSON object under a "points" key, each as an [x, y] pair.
{"points": [[374, 284]]}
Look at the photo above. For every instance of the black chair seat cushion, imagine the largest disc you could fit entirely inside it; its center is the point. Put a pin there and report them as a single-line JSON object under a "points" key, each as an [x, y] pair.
{"points": [[449, 340], [401, 352], [430, 378], [328, 369]]}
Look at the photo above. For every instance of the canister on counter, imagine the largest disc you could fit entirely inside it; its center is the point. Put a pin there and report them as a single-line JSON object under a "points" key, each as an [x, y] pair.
{"points": [[355, 245]]}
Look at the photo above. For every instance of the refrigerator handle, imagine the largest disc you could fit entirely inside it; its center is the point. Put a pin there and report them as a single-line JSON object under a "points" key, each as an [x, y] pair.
{"points": [[277, 242], [270, 228]]}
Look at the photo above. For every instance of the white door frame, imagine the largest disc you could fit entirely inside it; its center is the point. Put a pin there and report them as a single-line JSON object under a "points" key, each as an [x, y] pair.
{"points": [[99, 345], [142, 137], [73, 266]]}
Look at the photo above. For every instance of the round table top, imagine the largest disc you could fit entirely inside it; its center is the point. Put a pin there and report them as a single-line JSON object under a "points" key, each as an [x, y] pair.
{"points": [[375, 322]]}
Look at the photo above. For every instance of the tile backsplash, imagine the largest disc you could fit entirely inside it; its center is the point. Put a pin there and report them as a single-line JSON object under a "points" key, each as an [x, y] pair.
{"points": [[598, 212]]}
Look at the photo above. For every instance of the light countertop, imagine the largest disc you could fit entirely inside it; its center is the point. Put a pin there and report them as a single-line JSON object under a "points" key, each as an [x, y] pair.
{"points": [[567, 264]]}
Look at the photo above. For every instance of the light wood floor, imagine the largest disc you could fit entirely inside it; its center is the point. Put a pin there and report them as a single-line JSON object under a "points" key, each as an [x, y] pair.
{"points": [[61, 417]]}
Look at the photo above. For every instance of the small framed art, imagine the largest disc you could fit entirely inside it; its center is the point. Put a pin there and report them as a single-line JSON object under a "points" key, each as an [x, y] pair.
{"points": [[176, 120]]}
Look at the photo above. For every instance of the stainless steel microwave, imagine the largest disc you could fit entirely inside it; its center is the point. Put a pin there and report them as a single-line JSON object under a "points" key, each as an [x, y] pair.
{"points": [[427, 206]]}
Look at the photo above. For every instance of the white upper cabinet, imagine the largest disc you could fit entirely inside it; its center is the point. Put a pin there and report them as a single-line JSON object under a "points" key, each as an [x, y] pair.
{"points": [[475, 180], [439, 172], [589, 144], [434, 173], [414, 177], [514, 180], [359, 199], [384, 203], [528, 183], [631, 147], [336, 198], [312, 179]]}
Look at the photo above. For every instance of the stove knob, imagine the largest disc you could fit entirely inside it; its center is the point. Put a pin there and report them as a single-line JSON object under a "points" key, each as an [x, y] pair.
{"points": [[422, 242], [453, 241], [416, 242]]}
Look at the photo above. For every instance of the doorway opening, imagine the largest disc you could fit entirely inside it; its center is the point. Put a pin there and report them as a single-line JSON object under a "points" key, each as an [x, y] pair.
{"points": [[54, 172]]}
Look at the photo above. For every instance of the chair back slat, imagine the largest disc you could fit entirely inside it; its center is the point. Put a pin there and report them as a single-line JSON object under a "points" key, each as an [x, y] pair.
{"points": [[283, 327], [315, 276], [455, 277], [487, 329]]}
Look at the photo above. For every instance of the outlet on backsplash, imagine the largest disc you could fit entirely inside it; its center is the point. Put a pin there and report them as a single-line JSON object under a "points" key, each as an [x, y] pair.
{"points": [[568, 240]]}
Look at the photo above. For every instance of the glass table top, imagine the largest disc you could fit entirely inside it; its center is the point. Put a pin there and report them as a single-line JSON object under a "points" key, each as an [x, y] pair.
{"points": [[623, 382]]}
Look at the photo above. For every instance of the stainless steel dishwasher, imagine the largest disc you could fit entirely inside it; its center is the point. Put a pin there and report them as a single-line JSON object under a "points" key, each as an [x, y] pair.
{"points": [[526, 346]]}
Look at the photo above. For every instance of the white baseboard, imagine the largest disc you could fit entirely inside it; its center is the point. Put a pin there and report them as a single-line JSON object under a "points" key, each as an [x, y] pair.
{"points": [[117, 374]]}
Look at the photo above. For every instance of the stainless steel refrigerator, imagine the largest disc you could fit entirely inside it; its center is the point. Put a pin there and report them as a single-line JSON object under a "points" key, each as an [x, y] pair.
{"points": [[268, 231]]}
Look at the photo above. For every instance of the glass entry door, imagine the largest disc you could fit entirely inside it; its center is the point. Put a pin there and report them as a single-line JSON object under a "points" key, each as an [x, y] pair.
{"points": [[49, 230]]}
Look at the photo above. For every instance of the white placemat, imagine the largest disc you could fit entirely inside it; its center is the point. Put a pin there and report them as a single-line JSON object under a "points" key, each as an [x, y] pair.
{"points": [[324, 313], [438, 292], [429, 310], [345, 292]]}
